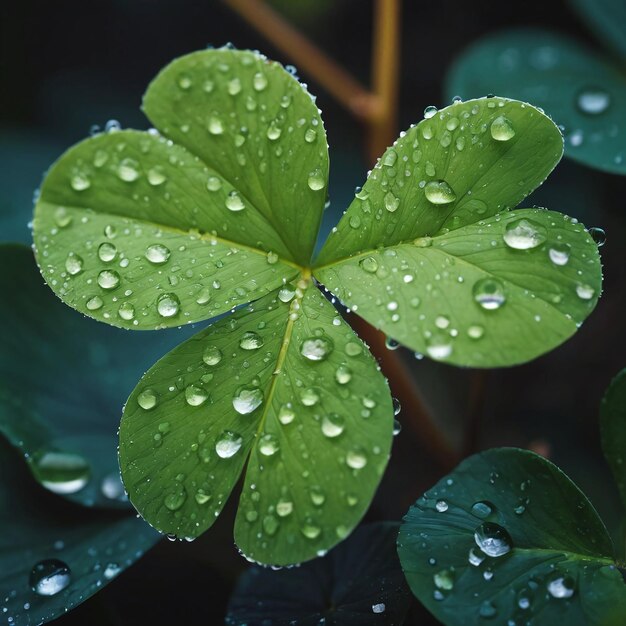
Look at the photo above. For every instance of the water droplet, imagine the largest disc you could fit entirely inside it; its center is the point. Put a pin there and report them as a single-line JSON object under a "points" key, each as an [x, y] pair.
{"points": [[259, 81], [353, 348], [203, 296], [212, 355], [310, 135], [502, 129], [234, 86], [273, 131], [272, 258], [390, 157], [316, 348], [62, 218], [561, 587], [126, 311], [391, 202], [215, 125], [156, 176], [50, 577], [439, 192], [168, 305], [559, 253], [309, 529], [475, 332], [378, 608], [213, 183], [80, 182], [444, 580], [584, 292], [286, 414], [94, 303], [487, 610], [228, 444], [482, 509], [201, 496], [128, 170], [234, 202], [423, 242], [108, 279], [284, 508], [61, 472], [316, 180], [475, 557], [343, 374], [268, 445], [175, 499], [333, 425], [195, 395], [147, 399], [270, 525], [430, 111], [107, 252], [73, 264], [439, 346], [157, 253], [356, 458], [309, 397], [593, 101], [441, 506], [247, 399], [524, 234], [598, 235], [493, 540], [250, 341], [489, 293]]}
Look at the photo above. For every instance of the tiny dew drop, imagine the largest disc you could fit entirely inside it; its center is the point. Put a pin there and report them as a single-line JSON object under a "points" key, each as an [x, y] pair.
{"points": [[228, 444], [593, 101], [502, 129], [147, 399], [493, 540], [247, 399], [316, 348], [168, 305], [157, 253], [559, 253], [250, 341], [439, 192], [49, 577], [524, 234], [489, 293]]}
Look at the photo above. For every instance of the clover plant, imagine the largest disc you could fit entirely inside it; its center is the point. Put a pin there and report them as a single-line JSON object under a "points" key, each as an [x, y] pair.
{"points": [[216, 211]]}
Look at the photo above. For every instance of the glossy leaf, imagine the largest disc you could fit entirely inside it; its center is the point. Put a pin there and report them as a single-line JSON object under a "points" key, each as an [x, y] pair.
{"points": [[359, 582], [255, 124], [579, 90], [456, 277], [607, 18], [613, 429], [39, 528], [284, 382], [63, 380], [507, 536]]}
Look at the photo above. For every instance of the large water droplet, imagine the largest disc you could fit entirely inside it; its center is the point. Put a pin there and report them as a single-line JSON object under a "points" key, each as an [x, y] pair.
{"points": [[259, 81], [369, 264], [128, 170], [598, 235], [247, 399], [157, 253], [228, 444], [561, 587], [439, 346], [175, 499], [156, 176], [61, 472], [286, 414], [107, 252], [316, 348], [212, 355], [333, 425], [215, 125], [49, 577], [482, 509], [593, 101], [195, 395], [250, 341], [168, 305], [502, 129], [439, 192], [126, 311], [493, 540], [234, 202], [356, 458], [584, 291], [80, 182], [309, 396], [489, 293], [343, 374], [147, 399], [108, 279], [487, 610], [524, 234], [268, 445], [73, 264], [559, 253], [444, 580]]}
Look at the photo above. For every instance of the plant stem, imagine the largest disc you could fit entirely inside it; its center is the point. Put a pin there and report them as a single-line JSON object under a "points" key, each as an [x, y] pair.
{"points": [[305, 54]]}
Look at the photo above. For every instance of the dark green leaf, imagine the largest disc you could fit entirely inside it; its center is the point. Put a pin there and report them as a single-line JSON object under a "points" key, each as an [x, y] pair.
{"points": [[455, 276], [579, 90], [63, 381], [284, 382], [358, 583], [507, 536], [613, 429], [607, 18], [40, 529]]}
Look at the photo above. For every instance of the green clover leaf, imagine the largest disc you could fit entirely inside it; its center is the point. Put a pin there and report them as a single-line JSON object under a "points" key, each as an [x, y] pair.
{"points": [[508, 537], [220, 209]]}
